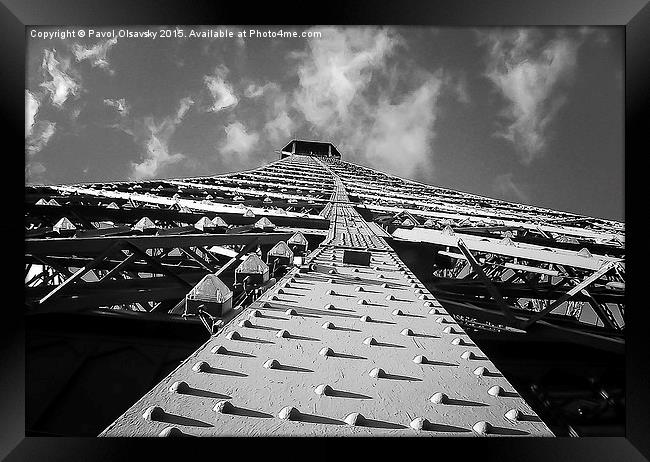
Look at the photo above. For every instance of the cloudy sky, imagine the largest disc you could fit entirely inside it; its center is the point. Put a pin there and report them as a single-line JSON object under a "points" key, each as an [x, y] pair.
{"points": [[526, 115]]}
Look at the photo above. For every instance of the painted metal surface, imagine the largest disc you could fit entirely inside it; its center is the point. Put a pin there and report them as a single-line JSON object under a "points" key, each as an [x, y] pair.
{"points": [[335, 349]]}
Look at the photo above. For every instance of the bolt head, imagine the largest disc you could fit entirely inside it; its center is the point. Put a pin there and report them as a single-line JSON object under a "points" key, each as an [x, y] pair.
{"points": [[283, 333], [288, 413], [201, 366], [482, 428], [354, 419], [234, 335], [153, 413], [272, 364], [219, 350], [323, 390], [420, 424], [377, 373], [326, 351], [223, 407], [170, 431], [513, 414], [439, 398], [496, 390], [179, 387]]}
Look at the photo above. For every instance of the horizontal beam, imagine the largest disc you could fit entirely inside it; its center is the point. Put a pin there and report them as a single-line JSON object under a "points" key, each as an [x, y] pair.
{"points": [[73, 246], [493, 246]]}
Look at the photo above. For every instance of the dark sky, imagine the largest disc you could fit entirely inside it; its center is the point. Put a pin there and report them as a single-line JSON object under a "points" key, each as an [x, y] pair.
{"points": [[528, 115]]}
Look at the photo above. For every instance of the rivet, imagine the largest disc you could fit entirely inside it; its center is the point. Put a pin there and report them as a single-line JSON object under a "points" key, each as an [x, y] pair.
{"points": [[482, 428], [418, 291], [288, 413], [423, 297], [332, 271], [266, 305], [323, 390], [331, 281], [291, 312], [362, 302], [407, 331], [330, 292], [272, 364], [496, 390], [170, 431], [439, 398], [458, 341], [370, 341], [287, 285], [441, 321], [381, 276], [450, 330], [355, 270], [398, 312], [354, 419], [328, 325], [365, 318], [279, 291], [274, 297], [283, 333], [223, 407], [513, 414], [427, 304], [377, 372], [326, 351], [434, 311], [390, 297], [245, 323], [234, 335], [201, 366], [255, 314], [384, 286], [420, 359], [179, 387], [359, 289], [480, 371], [219, 350], [154, 413], [468, 355], [419, 424]]}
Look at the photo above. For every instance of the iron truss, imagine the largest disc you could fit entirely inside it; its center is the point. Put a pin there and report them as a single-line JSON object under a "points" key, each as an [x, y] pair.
{"points": [[347, 339]]}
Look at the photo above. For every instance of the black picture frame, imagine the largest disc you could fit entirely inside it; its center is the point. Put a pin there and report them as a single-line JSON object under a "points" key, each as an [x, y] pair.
{"points": [[632, 15]]}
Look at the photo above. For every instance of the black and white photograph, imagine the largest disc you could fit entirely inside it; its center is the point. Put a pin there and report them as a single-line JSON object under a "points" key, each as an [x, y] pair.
{"points": [[397, 231]]}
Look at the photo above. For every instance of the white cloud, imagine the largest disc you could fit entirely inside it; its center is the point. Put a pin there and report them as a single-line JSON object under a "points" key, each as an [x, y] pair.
{"points": [[279, 129], [157, 138], [508, 189], [529, 78], [221, 91], [34, 171], [347, 92], [238, 141], [336, 70], [96, 55], [400, 137], [41, 133], [32, 104], [62, 82], [120, 105]]}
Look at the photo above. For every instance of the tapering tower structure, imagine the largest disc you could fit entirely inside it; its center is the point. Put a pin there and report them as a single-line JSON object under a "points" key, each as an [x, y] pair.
{"points": [[339, 298]]}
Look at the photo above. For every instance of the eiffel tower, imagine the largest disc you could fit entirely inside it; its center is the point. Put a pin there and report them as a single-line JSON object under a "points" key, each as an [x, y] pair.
{"points": [[330, 299]]}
